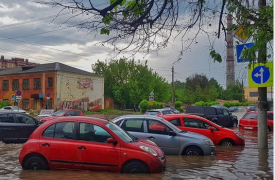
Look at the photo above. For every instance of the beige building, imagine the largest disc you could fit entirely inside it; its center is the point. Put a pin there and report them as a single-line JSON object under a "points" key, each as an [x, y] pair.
{"points": [[251, 94]]}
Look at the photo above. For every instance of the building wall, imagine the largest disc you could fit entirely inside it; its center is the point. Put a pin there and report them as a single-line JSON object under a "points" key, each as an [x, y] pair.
{"points": [[79, 91], [35, 103], [251, 94]]}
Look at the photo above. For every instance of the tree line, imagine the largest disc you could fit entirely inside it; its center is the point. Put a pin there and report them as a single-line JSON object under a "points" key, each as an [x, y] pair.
{"points": [[129, 82]]}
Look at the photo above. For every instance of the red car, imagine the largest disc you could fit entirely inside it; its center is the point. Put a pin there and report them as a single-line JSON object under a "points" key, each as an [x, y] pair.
{"points": [[250, 121], [86, 143], [67, 112], [219, 135]]}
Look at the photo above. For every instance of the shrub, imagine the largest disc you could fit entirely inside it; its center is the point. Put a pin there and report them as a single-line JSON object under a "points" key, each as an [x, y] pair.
{"points": [[144, 106], [178, 104], [4, 103]]}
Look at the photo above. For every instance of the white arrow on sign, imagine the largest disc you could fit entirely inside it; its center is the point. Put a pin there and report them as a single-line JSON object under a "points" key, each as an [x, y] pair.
{"points": [[261, 74]]}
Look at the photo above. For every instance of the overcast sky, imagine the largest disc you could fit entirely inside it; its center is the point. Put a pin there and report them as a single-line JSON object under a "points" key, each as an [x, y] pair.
{"points": [[30, 31]]}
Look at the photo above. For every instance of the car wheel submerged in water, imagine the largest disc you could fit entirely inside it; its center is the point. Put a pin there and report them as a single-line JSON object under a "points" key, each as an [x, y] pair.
{"points": [[136, 167], [193, 151], [35, 163], [227, 143]]}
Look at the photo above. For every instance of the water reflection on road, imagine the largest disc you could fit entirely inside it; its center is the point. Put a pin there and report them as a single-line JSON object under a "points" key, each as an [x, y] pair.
{"points": [[229, 163]]}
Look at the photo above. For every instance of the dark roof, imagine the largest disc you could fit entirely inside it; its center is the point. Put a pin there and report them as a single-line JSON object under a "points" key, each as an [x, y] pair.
{"points": [[44, 68]]}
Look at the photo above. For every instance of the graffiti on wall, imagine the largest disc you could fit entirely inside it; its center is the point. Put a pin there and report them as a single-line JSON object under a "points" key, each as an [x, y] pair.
{"points": [[83, 104]]}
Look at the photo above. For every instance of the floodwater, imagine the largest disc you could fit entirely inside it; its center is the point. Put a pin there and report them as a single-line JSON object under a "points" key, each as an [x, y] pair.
{"points": [[240, 163]]}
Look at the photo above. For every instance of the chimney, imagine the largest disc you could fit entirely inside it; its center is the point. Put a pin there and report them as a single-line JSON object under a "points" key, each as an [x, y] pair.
{"points": [[27, 61], [57, 66], [2, 57]]}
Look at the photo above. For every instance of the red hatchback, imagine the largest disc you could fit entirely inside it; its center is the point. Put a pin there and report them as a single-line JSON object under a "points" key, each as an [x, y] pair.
{"points": [[219, 135], [85, 143], [67, 112], [250, 121]]}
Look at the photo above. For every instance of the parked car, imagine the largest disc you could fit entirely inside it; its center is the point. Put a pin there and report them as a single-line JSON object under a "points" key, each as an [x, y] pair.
{"points": [[45, 113], [251, 108], [13, 108], [171, 108], [220, 116], [86, 143], [233, 109], [16, 127], [250, 121], [67, 112], [219, 135], [158, 112], [168, 137]]}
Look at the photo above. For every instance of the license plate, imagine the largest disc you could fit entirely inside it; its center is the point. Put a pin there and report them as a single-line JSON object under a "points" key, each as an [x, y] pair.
{"points": [[248, 127]]}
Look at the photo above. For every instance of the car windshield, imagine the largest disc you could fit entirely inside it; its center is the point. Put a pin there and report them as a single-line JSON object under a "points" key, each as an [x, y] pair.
{"points": [[58, 113], [119, 132]]}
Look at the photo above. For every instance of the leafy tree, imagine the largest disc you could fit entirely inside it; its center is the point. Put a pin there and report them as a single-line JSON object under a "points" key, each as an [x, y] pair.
{"points": [[234, 92], [129, 83], [219, 89]]}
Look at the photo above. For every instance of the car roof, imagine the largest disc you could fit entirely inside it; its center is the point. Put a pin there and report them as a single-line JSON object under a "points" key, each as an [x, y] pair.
{"points": [[180, 115], [86, 118], [138, 116], [157, 110], [9, 111]]}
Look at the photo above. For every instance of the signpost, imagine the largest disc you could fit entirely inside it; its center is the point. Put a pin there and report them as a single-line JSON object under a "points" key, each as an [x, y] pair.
{"points": [[261, 75], [13, 98], [151, 98], [239, 49]]}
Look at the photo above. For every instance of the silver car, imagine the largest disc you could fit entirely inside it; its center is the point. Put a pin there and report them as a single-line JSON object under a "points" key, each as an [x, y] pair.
{"points": [[168, 137]]}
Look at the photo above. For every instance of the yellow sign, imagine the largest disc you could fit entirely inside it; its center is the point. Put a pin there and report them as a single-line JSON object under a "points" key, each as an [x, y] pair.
{"points": [[260, 75], [240, 34]]}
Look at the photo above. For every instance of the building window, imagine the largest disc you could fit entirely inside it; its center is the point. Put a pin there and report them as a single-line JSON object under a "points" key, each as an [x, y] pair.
{"points": [[36, 83], [5, 85], [26, 103], [253, 94], [15, 84], [26, 84], [50, 82]]}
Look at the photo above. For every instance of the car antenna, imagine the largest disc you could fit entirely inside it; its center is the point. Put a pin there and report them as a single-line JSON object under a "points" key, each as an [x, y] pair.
{"points": [[105, 117]]}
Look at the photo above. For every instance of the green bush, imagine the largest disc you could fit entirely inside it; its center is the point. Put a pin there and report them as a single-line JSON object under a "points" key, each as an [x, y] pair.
{"points": [[202, 103], [144, 106], [180, 110], [4, 103], [178, 104]]}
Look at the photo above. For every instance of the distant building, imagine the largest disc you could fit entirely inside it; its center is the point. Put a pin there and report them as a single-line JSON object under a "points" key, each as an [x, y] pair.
{"points": [[55, 84], [251, 94], [14, 62]]}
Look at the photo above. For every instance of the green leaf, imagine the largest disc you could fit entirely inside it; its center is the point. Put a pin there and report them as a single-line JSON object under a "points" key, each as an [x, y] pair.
{"points": [[105, 31]]}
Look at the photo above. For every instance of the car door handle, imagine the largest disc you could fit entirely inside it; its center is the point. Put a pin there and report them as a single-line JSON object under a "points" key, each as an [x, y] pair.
{"points": [[151, 137], [81, 147], [46, 144]]}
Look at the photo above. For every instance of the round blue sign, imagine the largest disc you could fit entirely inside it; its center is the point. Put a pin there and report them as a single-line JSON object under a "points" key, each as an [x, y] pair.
{"points": [[260, 74], [18, 93], [48, 94]]}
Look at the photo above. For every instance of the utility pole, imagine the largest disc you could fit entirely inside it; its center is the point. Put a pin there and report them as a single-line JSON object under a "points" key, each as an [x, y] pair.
{"points": [[262, 91], [173, 88]]}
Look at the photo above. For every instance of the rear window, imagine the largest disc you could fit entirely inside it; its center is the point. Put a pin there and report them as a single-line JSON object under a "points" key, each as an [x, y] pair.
{"points": [[210, 110], [195, 109], [176, 122], [250, 116], [152, 112]]}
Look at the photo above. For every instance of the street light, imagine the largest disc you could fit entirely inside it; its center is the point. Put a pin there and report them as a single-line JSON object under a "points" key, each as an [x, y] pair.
{"points": [[173, 88]]}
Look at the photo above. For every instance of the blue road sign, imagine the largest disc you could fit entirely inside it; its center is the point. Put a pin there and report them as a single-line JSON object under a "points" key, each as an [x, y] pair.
{"points": [[18, 93], [48, 94], [260, 74], [151, 98], [13, 98], [240, 49]]}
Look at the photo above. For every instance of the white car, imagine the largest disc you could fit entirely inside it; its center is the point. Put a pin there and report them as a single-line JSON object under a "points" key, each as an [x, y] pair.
{"points": [[13, 108], [45, 113]]}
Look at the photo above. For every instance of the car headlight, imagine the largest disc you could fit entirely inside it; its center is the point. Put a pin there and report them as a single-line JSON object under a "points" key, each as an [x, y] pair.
{"points": [[239, 135], [149, 150], [208, 142]]}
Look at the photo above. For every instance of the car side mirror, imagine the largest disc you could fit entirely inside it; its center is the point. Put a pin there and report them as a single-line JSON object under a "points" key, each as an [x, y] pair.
{"points": [[211, 128], [111, 141], [172, 133], [230, 113]]}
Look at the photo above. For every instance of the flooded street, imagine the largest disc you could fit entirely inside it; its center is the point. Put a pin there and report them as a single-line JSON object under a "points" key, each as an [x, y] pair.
{"points": [[242, 163]]}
